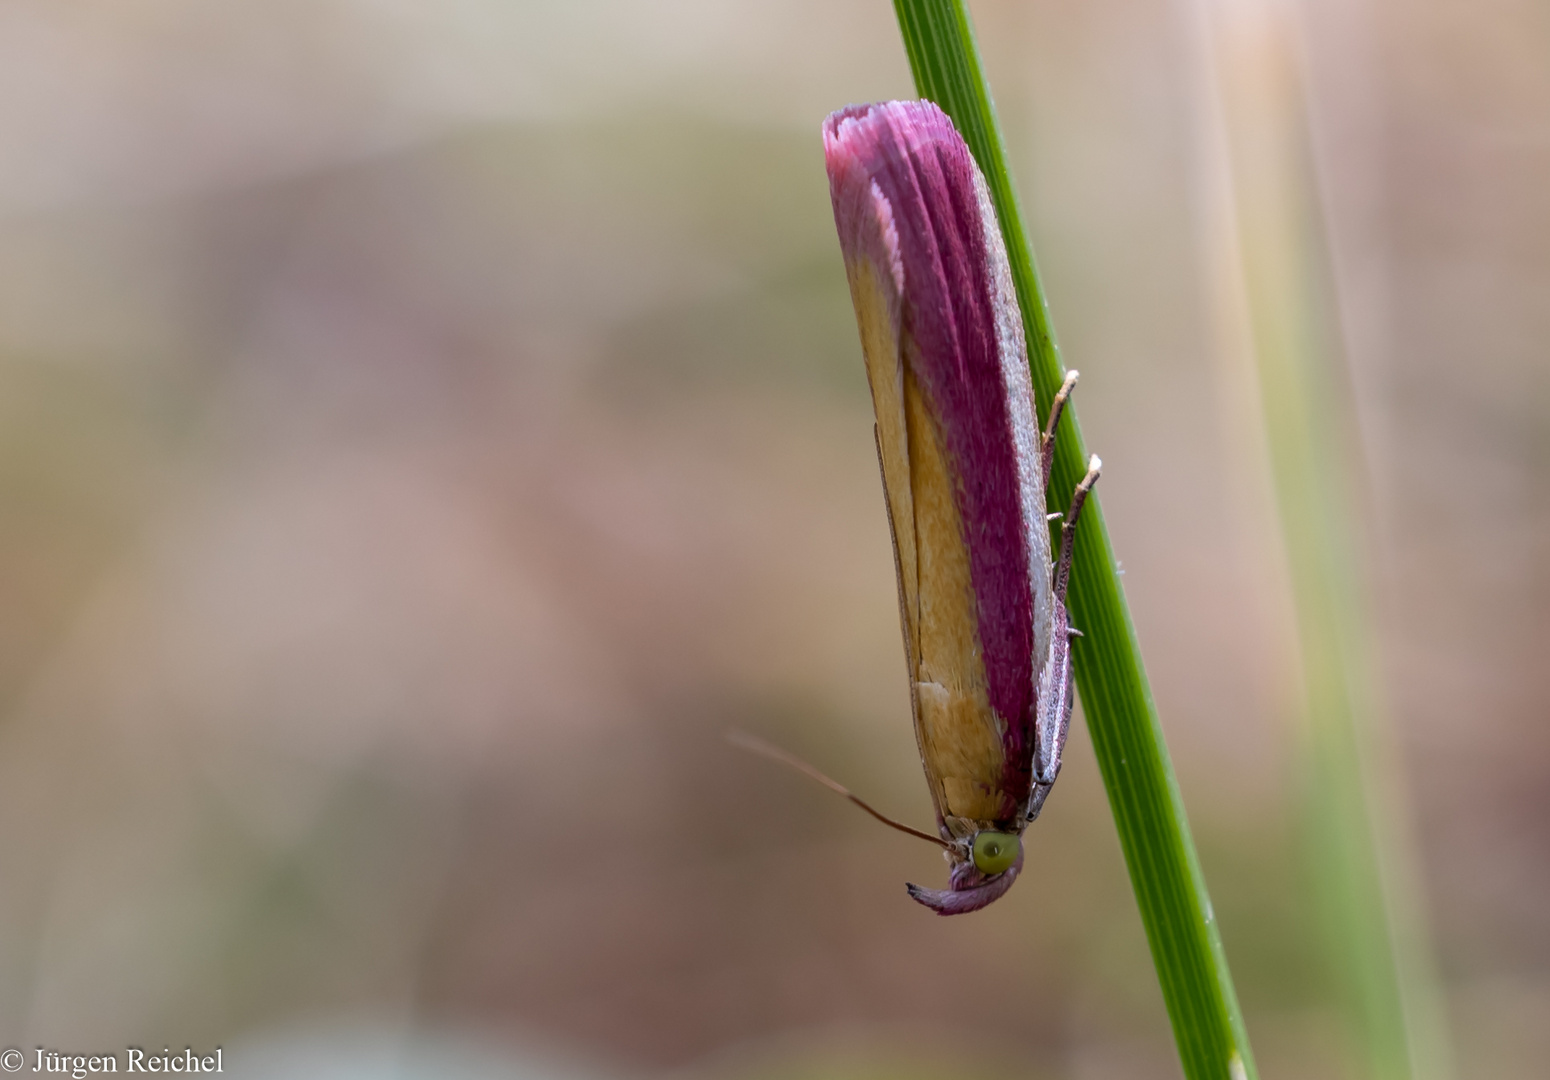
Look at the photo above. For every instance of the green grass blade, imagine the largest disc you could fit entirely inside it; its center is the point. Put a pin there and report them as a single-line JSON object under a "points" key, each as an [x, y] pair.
{"points": [[1370, 899], [1116, 699]]}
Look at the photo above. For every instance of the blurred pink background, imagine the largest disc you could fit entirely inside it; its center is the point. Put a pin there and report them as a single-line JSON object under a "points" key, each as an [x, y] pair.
{"points": [[425, 428]]}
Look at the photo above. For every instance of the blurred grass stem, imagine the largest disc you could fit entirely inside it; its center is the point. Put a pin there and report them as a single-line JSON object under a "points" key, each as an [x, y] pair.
{"points": [[1116, 698], [1275, 265]]}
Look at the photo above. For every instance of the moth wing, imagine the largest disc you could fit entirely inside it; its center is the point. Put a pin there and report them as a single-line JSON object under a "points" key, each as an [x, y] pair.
{"points": [[876, 286], [909, 621], [1013, 353], [876, 275]]}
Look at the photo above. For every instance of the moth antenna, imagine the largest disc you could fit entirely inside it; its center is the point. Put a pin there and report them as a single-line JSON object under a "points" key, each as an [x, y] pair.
{"points": [[753, 744]]}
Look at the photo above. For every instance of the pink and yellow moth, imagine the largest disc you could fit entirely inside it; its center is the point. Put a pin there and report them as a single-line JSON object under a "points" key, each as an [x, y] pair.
{"points": [[987, 639]]}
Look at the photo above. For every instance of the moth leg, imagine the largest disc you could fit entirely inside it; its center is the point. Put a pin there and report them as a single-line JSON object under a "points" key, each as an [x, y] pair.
{"points": [[1047, 440], [1057, 685], [1062, 575]]}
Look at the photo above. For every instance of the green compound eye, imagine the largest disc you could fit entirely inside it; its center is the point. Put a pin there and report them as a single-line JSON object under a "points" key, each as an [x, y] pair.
{"points": [[995, 851]]}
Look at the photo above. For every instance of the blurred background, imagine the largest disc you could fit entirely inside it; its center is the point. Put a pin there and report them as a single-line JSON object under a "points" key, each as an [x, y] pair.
{"points": [[425, 428]]}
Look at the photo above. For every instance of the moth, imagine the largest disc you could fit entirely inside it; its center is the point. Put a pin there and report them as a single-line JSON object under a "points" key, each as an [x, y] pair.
{"points": [[987, 638]]}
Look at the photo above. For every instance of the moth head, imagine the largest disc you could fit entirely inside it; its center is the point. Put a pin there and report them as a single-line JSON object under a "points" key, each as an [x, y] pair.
{"points": [[983, 869]]}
